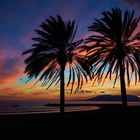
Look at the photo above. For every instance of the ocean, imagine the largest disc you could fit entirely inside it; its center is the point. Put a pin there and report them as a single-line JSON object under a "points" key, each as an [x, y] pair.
{"points": [[27, 107], [31, 107]]}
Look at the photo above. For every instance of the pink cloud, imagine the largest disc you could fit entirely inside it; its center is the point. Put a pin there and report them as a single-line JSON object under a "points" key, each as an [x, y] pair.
{"points": [[135, 3], [27, 39], [11, 66], [72, 11]]}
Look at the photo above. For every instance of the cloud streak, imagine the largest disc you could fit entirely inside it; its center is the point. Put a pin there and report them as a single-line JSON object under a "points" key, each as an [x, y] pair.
{"points": [[10, 67]]}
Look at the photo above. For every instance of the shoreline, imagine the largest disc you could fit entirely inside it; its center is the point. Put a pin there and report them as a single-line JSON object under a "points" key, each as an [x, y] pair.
{"points": [[55, 109], [108, 113]]}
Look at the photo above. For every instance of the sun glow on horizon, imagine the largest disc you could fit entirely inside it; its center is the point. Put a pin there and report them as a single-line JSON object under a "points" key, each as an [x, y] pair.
{"points": [[17, 30]]}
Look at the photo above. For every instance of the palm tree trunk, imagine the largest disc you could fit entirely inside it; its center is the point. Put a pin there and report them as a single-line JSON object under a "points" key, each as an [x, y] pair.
{"points": [[62, 90], [123, 88]]}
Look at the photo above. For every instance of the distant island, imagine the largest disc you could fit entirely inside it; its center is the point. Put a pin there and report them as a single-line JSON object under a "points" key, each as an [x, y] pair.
{"points": [[104, 98], [132, 98]]}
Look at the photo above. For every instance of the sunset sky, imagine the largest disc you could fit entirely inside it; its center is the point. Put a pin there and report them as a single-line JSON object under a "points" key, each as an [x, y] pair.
{"points": [[18, 19]]}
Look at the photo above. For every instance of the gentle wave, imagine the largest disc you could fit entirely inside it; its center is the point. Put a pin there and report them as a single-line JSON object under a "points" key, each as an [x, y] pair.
{"points": [[40, 109], [37, 108]]}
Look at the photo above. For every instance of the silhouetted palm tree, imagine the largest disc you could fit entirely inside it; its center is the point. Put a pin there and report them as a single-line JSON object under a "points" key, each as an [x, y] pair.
{"points": [[54, 51], [115, 49]]}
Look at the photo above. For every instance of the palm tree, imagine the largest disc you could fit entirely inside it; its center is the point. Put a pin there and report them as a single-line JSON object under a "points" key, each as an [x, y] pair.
{"points": [[54, 51], [115, 49]]}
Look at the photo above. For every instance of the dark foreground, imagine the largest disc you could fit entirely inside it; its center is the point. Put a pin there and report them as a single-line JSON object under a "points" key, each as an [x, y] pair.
{"points": [[108, 118]]}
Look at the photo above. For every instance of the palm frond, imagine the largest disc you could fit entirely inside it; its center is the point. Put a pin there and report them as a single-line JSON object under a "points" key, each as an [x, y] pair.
{"points": [[116, 39], [54, 45]]}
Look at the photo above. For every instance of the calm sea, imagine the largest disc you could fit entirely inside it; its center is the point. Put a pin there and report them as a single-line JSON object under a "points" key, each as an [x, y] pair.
{"points": [[27, 107]]}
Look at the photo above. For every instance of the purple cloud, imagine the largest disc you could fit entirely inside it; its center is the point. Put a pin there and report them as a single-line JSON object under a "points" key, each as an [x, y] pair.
{"points": [[135, 3]]}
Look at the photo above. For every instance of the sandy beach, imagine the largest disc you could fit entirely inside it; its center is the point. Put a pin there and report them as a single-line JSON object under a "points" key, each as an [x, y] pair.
{"points": [[108, 114]]}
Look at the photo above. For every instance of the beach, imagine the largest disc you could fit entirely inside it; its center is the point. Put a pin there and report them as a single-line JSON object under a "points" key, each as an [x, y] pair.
{"points": [[107, 115]]}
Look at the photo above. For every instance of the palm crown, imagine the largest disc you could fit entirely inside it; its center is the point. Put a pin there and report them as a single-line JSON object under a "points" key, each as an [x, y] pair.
{"points": [[54, 47], [115, 42]]}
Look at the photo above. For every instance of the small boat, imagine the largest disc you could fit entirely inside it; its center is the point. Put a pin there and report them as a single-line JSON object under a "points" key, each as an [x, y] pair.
{"points": [[15, 105]]}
